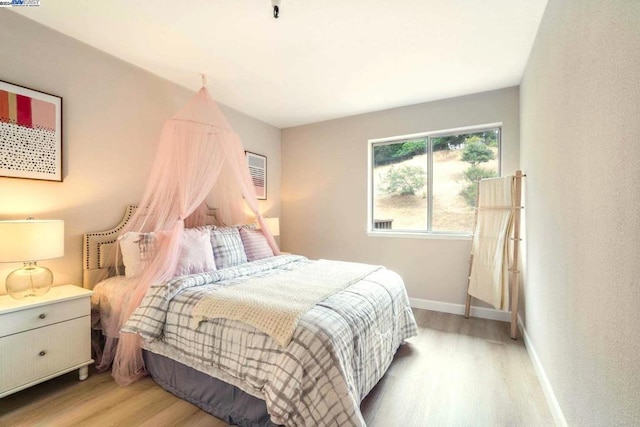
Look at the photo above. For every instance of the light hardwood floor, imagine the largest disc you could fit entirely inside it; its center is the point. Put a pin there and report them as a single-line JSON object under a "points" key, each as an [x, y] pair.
{"points": [[456, 372]]}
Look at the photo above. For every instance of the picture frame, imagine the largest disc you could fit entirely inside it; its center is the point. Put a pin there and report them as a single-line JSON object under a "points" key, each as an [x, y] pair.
{"points": [[258, 169], [30, 133]]}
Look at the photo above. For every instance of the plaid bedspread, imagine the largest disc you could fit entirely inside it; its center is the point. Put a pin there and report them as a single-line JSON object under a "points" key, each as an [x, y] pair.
{"points": [[339, 351]]}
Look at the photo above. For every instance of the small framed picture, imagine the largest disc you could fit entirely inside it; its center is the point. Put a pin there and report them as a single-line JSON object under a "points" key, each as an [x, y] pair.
{"points": [[258, 170], [30, 133]]}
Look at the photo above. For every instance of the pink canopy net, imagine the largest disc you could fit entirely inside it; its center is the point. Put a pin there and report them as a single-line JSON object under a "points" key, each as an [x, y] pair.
{"points": [[200, 158]]}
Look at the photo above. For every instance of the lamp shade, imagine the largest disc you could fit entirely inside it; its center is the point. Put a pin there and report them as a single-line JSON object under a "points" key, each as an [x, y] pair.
{"points": [[31, 240], [274, 225]]}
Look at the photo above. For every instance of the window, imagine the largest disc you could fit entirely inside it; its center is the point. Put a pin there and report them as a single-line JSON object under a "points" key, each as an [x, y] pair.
{"points": [[426, 183]]}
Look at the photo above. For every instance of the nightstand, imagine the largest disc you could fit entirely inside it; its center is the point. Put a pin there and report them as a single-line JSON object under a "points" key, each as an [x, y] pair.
{"points": [[44, 337]]}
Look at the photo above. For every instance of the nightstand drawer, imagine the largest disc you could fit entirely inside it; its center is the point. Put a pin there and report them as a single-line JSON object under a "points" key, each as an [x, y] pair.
{"points": [[43, 352], [37, 317]]}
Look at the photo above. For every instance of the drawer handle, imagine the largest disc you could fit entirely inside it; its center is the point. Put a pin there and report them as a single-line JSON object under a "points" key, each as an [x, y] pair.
{"points": [[42, 353], [42, 316]]}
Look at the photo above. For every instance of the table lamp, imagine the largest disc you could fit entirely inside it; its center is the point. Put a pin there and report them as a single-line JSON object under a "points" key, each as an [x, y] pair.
{"points": [[274, 225], [29, 241]]}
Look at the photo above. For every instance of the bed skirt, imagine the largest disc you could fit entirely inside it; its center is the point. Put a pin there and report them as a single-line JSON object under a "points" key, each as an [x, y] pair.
{"points": [[212, 395]]}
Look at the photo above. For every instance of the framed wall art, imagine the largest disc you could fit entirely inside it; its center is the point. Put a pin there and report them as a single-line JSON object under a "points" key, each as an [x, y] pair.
{"points": [[258, 170], [30, 133]]}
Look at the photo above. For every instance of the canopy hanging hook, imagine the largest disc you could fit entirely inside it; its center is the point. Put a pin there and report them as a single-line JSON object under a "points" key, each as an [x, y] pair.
{"points": [[204, 80]]}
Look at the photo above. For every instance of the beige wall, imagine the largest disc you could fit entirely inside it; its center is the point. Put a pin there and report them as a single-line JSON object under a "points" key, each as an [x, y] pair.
{"points": [[580, 148], [324, 190], [113, 113]]}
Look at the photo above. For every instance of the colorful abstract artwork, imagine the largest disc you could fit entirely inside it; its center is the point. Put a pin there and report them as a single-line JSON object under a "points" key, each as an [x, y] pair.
{"points": [[30, 134]]}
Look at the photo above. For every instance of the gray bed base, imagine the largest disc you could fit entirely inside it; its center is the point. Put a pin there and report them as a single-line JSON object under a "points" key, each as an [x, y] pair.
{"points": [[212, 395]]}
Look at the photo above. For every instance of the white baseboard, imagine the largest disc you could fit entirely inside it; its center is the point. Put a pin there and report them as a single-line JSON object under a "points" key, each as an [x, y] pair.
{"points": [[554, 406], [447, 307]]}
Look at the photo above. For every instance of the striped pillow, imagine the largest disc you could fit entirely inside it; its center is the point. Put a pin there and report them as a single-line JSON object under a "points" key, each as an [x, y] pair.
{"points": [[227, 247], [255, 244]]}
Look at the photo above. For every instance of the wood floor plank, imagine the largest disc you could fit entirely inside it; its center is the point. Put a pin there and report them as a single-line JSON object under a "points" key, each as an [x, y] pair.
{"points": [[456, 372]]}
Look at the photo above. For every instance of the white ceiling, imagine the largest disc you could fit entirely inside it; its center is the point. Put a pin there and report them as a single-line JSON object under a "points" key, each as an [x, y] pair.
{"points": [[321, 59]]}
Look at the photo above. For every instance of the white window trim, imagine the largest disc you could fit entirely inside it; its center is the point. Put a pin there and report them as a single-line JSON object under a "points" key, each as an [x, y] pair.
{"points": [[417, 234]]}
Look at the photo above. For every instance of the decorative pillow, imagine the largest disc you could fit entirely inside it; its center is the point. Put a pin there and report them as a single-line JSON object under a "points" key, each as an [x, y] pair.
{"points": [[136, 249], [196, 253], [227, 247], [255, 244]]}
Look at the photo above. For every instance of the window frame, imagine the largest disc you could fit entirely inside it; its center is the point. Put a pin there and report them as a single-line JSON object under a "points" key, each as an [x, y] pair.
{"points": [[430, 234]]}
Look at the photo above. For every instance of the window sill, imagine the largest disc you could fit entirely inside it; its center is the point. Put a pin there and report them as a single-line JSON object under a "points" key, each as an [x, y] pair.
{"points": [[416, 235]]}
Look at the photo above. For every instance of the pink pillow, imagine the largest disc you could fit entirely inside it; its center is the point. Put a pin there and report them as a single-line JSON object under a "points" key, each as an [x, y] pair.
{"points": [[255, 244], [196, 253]]}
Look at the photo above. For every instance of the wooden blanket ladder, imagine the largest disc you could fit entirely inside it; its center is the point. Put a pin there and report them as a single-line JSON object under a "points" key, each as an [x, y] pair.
{"points": [[515, 239]]}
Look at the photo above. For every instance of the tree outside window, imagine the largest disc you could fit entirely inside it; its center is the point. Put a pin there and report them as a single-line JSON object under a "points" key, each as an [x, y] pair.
{"points": [[428, 183]]}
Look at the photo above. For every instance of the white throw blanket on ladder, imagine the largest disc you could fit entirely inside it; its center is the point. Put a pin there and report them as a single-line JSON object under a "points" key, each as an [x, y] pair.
{"points": [[274, 304], [489, 279]]}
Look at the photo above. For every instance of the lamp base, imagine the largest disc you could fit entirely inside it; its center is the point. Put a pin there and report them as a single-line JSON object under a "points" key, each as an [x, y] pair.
{"points": [[29, 281]]}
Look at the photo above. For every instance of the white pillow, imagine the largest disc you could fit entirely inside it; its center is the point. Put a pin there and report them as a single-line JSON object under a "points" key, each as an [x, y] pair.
{"points": [[136, 249]]}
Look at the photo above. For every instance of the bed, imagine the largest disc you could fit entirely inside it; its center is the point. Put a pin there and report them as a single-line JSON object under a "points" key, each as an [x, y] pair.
{"points": [[337, 353]]}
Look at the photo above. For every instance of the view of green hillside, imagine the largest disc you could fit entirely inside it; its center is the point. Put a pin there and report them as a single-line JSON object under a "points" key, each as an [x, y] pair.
{"points": [[400, 186]]}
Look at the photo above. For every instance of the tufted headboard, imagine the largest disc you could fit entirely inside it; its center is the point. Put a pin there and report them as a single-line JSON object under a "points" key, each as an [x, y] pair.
{"points": [[99, 250]]}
